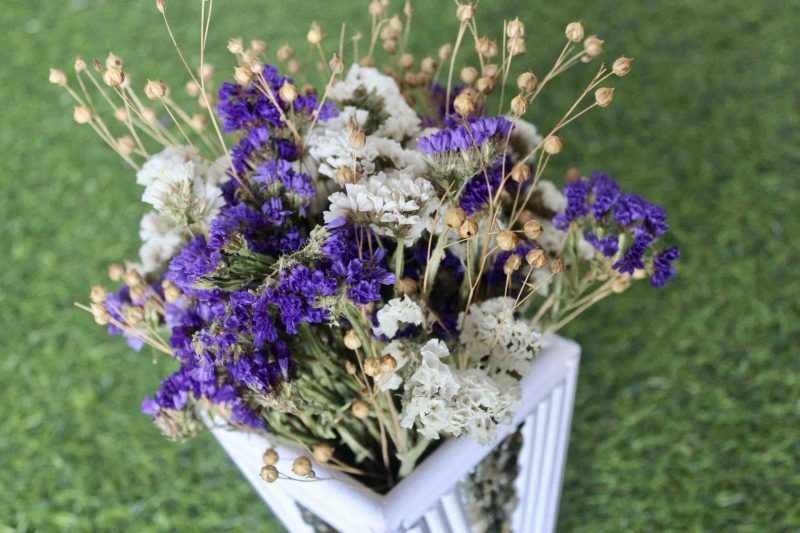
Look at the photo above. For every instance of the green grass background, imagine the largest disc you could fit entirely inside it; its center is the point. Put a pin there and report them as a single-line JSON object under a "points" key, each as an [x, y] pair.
{"points": [[688, 405]]}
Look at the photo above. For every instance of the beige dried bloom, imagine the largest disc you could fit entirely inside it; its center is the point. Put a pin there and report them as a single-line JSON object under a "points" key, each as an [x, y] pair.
{"points": [[604, 96], [242, 75], [269, 473], [486, 47], [406, 61], [155, 89], [428, 65], [527, 82], [465, 13], [80, 64], [258, 47], [444, 51], [115, 271], [288, 92], [454, 217], [532, 229], [372, 367], [521, 172], [468, 229], [574, 32], [98, 294], [516, 46], [536, 258], [285, 53], [552, 145], [314, 35], [593, 46], [512, 264], [519, 105], [82, 114], [352, 341], [125, 144], [507, 240], [113, 77], [485, 85], [207, 71], [322, 452], [622, 66], [357, 139], [57, 77], [376, 8], [336, 64], [469, 75], [360, 409], [407, 286], [113, 61], [464, 105], [515, 29], [235, 45], [557, 266], [301, 466]]}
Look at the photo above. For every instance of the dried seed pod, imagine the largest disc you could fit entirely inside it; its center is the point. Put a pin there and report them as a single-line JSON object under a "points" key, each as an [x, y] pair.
{"points": [[155, 89], [235, 46], [270, 457], [574, 32], [593, 46], [464, 105], [322, 452], [521, 172], [407, 286], [258, 47], [604, 96], [388, 364], [288, 92], [468, 229], [454, 217], [519, 105], [622, 66], [314, 35], [357, 139], [468, 75], [516, 46], [269, 473], [360, 409], [532, 229], [372, 367], [515, 29], [557, 266], [512, 264], [352, 341], [115, 272], [82, 114], [285, 53], [527, 82], [507, 240], [552, 145], [301, 466], [57, 77], [536, 258], [113, 77], [485, 85], [465, 13], [98, 294]]}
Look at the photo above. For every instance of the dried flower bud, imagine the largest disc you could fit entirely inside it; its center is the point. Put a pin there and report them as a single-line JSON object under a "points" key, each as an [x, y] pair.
{"points": [[293, 66], [620, 284], [469, 75], [593, 46], [512, 264], [390, 47], [428, 65], [82, 114], [149, 115], [352, 340], [468, 229], [314, 34], [301, 466], [527, 82], [207, 71], [572, 174], [192, 88], [557, 266], [388, 364], [132, 278], [258, 47], [406, 61], [372, 367], [360, 409], [454, 217], [639, 273], [235, 46], [115, 272], [444, 51], [532, 229], [113, 77], [357, 139], [113, 61], [376, 8], [288, 92], [485, 85], [80, 64], [521, 172], [155, 89], [198, 122], [515, 29], [492, 70], [322, 452], [464, 105], [269, 473], [604, 96], [525, 216], [516, 46], [395, 24], [574, 32], [285, 53], [486, 47], [98, 294], [57, 77], [125, 145], [536, 258], [336, 64], [161, 6], [134, 315], [507, 240], [345, 175], [255, 66], [100, 314], [622, 66], [519, 105], [350, 368], [407, 286], [465, 13], [552, 145], [408, 10], [121, 114], [242, 75]]}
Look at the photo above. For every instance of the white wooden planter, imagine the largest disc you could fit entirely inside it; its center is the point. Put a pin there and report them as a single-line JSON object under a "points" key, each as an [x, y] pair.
{"points": [[430, 500]]}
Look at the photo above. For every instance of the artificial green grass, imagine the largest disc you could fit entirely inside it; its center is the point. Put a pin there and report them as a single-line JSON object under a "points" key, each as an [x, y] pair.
{"points": [[687, 411]]}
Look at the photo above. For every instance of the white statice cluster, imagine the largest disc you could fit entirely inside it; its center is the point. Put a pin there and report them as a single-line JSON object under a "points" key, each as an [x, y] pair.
{"points": [[162, 238], [330, 149], [393, 204], [181, 185], [398, 311], [401, 121], [492, 337], [440, 400]]}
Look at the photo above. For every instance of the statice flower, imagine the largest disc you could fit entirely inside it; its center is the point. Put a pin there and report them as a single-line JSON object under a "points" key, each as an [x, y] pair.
{"points": [[181, 185], [490, 330], [394, 205], [162, 238], [460, 137], [195, 261], [389, 113], [397, 311], [662, 266], [442, 401]]}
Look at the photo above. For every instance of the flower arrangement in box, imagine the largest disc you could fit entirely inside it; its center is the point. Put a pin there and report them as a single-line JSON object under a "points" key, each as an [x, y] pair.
{"points": [[365, 267]]}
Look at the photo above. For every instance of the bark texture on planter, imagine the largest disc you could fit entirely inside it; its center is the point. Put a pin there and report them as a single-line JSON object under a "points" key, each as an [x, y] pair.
{"points": [[433, 498]]}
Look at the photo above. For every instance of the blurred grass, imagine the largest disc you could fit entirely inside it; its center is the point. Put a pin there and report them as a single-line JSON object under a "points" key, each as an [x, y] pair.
{"points": [[687, 413]]}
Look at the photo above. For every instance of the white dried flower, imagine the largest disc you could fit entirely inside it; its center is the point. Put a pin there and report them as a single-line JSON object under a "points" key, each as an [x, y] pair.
{"points": [[490, 329], [397, 311], [182, 185], [401, 122], [393, 204], [161, 238]]}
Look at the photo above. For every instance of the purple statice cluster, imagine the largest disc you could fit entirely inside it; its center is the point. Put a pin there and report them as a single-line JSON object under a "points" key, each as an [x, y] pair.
{"points": [[460, 136], [118, 301], [610, 213]]}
